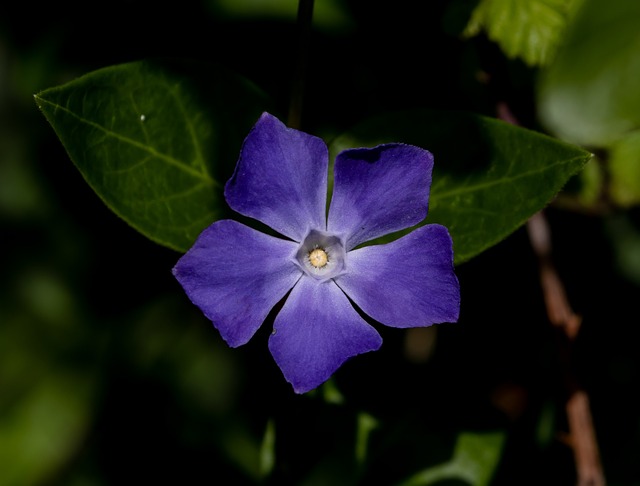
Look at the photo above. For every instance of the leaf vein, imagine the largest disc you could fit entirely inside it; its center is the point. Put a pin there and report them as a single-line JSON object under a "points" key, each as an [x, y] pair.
{"points": [[194, 139], [502, 180], [109, 133], [176, 195]]}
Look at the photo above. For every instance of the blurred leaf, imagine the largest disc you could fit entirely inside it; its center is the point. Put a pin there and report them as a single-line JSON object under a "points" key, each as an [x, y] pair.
{"points": [[328, 15], [242, 449], [624, 170], [46, 297], [530, 30], [200, 368], [589, 94], [331, 393], [48, 376], [475, 459], [546, 426], [20, 191], [591, 182], [44, 429], [268, 449], [365, 425], [625, 240], [156, 140], [489, 177]]}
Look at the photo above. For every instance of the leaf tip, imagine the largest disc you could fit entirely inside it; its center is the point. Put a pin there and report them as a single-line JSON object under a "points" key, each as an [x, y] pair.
{"points": [[39, 100]]}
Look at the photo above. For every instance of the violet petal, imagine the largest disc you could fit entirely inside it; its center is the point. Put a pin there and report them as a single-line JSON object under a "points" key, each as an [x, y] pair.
{"points": [[235, 275], [378, 191], [409, 282], [281, 178], [316, 331]]}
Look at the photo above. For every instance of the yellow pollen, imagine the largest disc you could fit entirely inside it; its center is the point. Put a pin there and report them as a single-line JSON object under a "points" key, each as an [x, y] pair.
{"points": [[318, 258]]}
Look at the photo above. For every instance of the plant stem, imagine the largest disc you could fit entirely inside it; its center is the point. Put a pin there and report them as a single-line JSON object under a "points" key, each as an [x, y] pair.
{"points": [[305, 15], [582, 437]]}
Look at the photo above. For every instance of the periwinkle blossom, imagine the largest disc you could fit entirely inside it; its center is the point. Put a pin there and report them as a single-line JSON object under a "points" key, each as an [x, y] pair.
{"points": [[236, 274]]}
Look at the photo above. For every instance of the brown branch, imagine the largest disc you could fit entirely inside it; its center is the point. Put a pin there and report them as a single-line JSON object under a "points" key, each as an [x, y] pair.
{"points": [[582, 437]]}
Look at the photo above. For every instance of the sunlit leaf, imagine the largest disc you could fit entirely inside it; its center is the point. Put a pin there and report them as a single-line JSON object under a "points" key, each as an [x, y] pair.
{"points": [[156, 140], [589, 94], [474, 461], [489, 176], [530, 30]]}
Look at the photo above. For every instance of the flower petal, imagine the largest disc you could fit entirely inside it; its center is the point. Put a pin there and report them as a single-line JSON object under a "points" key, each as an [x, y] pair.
{"points": [[281, 178], [379, 190], [409, 282], [316, 331], [235, 275]]}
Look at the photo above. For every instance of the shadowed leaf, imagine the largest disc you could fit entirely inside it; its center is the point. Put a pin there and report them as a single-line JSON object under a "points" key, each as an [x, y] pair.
{"points": [[489, 177], [474, 461], [156, 140]]}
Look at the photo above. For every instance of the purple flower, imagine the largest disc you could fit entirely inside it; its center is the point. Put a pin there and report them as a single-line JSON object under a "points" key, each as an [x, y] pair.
{"points": [[236, 274]]}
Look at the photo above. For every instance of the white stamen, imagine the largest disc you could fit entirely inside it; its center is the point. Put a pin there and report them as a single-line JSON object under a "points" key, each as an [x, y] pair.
{"points": [[321, 255]]}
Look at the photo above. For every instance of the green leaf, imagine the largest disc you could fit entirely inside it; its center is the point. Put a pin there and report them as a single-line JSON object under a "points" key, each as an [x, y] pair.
{"points": [[48, 373], [41, 432], [366, 424], [268, 450], [156, 140], [624, 237], [591, 180], [489, 177], [624, 170], [474, 460], [589, 95], [530, 29]]}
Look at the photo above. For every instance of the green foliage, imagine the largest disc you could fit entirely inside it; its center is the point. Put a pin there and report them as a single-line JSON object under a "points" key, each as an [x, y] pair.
{"points": [[474, 461], [366, 424], [530, 30], [625, 239], [267, 450], [624, 170], [489, 177], [589, 95], [46, 402], [91, 355], [328, 15], [156, 140], [47, 427], [157, 151]]}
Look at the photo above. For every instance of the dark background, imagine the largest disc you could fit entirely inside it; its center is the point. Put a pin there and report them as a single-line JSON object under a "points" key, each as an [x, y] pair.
{"points": [[108, 375]]}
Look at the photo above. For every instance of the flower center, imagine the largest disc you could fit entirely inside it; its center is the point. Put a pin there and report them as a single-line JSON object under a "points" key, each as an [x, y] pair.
{"points": [[321, 255], [318, 258]]}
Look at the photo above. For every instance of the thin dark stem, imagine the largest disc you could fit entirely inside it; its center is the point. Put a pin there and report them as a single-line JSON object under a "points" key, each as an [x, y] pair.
{"points": [[305, 15]]}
